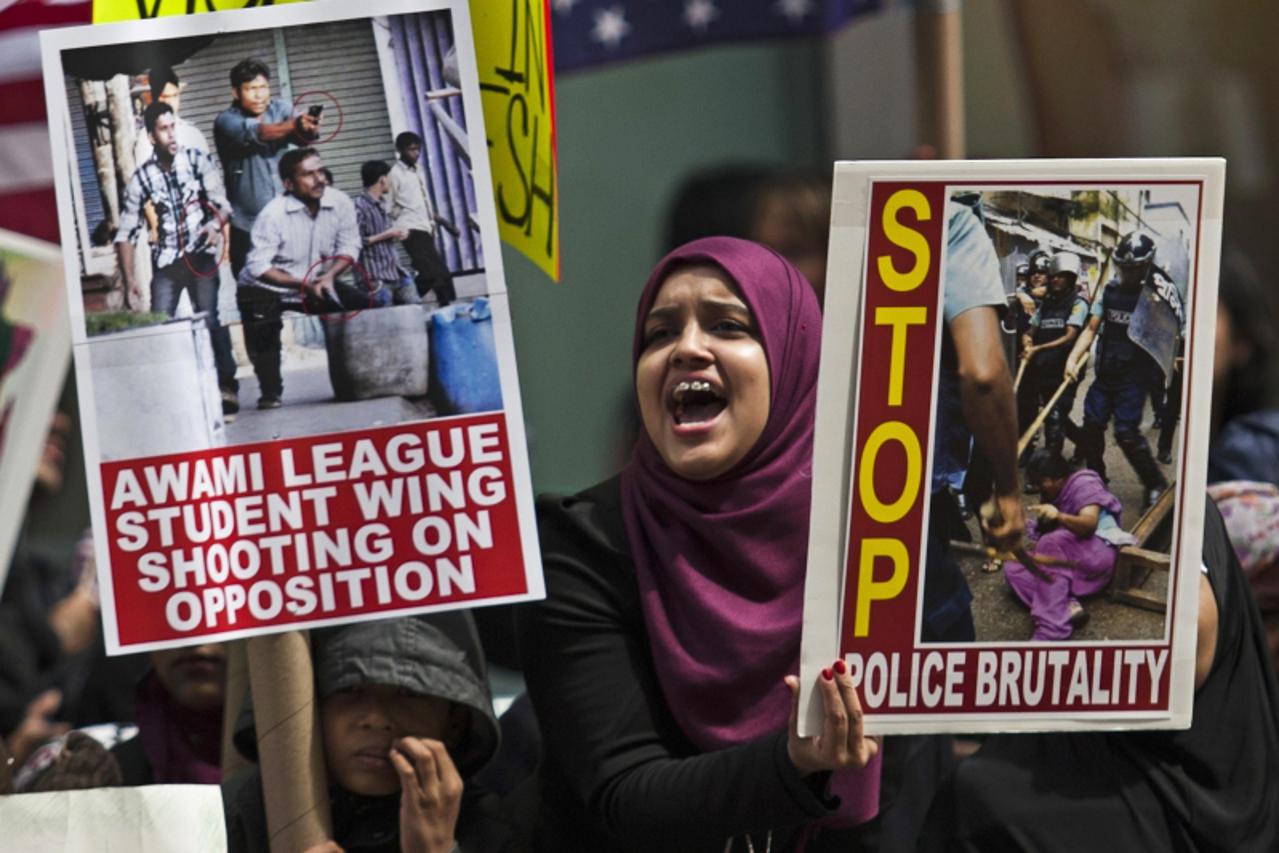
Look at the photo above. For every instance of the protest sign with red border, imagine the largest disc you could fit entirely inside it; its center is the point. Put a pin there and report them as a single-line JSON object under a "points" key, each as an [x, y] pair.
{"points": [[35, 347], [357, 495], [900, 273]]}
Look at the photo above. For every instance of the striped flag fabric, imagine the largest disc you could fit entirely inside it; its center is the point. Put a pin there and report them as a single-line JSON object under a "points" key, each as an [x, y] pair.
{"points": [[26, 168]]}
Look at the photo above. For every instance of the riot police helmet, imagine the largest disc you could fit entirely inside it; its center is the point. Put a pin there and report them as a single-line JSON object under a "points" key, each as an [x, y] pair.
{"points": [[1039, 262], [1135, 249], [1064, 262]]}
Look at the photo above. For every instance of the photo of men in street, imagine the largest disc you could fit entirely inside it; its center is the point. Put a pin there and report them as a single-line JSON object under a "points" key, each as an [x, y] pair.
{"points": [[1092, 330], [273, 245]]}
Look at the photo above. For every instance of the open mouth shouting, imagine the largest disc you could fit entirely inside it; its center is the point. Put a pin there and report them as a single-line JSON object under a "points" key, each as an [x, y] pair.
{"points": [[696, 402]]}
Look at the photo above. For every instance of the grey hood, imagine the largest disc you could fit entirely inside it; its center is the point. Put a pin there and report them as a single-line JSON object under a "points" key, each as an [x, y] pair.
{"points": [[436, 655]]}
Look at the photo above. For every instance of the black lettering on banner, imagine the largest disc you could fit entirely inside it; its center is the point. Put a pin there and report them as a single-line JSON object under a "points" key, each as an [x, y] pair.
{"points": [[522, 77], [209, 6]]}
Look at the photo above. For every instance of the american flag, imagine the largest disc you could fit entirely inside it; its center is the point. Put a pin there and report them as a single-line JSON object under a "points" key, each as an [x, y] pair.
{"points": [[593, 32], [26, 168]]}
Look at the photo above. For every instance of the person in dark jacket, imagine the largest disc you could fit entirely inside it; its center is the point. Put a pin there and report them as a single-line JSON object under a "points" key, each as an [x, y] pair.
{"points": [[1049, 335], [1213, 786], [179, 716], [407, 722]]}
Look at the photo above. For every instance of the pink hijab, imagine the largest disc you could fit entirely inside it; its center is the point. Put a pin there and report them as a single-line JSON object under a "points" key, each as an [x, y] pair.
{"points": [[720, 563]]}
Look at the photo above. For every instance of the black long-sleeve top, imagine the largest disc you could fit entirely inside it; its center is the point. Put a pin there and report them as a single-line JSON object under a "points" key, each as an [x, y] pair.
{"points": [[617, 773]]}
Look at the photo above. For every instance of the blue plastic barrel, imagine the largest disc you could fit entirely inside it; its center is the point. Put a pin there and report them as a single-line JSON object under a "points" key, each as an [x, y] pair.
{"points": [[464, 377]]}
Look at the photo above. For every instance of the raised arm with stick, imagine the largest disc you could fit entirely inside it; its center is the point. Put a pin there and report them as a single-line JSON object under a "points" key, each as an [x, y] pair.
{"points": [[1024, 441]]}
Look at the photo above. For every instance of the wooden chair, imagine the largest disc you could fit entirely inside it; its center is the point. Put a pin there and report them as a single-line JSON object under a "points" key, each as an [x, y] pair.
{"points": [[1135, 563]]}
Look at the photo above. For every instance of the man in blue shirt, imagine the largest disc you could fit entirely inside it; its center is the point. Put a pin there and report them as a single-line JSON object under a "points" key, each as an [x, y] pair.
{"points": [[389, 281], [250, 137], [975, 414]]}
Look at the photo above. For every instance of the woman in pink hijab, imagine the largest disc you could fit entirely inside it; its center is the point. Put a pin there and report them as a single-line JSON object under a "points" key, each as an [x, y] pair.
{"points": [[661, 663]]}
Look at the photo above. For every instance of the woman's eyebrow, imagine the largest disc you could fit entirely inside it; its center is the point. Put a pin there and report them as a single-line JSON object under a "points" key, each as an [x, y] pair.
{"points": [[662, 312], [727, 304]]}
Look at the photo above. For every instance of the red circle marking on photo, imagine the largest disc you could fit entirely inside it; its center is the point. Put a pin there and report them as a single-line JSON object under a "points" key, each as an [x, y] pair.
{"points": [[328, 96], [343, 315], [218, 217]]}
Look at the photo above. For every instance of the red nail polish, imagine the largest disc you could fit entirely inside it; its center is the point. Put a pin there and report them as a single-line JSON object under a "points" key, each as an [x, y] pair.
{"points": [[839, 666], [826, 674]]}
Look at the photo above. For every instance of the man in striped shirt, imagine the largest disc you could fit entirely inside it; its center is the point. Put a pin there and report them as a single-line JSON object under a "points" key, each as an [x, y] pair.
{"points": [[183, 188], [301, 242], [378, 237]]}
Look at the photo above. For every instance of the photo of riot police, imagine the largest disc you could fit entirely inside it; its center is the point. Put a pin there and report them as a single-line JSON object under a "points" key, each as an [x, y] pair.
{"points": [[1091, 300]]}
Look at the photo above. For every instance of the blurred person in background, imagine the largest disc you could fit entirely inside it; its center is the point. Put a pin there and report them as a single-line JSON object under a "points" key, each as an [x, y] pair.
{"points": [[48, 624], [785, 209], [179, 717], [1243, 458], [1245, 388], [1212, 786]]}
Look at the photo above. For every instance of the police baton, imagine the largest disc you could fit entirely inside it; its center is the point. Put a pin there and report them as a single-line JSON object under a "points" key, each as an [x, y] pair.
{"points": [[1048, 407], [991, 517], [1021, 371], [1101, 278]]}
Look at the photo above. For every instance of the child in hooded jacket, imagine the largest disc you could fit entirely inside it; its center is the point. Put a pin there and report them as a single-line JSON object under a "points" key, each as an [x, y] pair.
{"points": [[407, 721]]}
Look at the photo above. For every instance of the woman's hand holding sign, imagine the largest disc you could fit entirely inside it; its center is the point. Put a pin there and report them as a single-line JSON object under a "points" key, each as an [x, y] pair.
{"points": [[842, 742]]}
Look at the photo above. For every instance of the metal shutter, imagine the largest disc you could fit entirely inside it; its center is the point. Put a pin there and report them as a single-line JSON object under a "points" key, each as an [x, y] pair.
{"points": [[340, 59], [94, 210]]}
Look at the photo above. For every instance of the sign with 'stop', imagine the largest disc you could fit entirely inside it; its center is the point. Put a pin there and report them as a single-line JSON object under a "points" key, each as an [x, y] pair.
{"points": [[1068, 600]]}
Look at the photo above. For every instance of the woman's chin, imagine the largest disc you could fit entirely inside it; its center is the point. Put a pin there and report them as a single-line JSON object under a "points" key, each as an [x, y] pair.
{"points": [[702, 460]]}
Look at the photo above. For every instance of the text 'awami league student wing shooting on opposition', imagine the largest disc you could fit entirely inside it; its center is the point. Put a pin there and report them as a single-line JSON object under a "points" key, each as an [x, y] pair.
{"points": [[385, 469]]}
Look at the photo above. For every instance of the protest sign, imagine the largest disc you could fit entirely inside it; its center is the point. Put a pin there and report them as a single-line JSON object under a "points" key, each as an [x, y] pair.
{"points": [[35, 347], [383, 470], [137, 819], [513, 52], [1089, 620]]}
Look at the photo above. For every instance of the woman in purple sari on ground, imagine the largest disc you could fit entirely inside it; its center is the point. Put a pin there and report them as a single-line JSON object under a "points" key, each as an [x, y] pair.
{"points": [[1075, 540]]}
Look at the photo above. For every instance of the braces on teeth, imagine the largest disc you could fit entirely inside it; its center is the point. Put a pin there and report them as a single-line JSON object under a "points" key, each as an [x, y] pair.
{"points": [[696, 385]]}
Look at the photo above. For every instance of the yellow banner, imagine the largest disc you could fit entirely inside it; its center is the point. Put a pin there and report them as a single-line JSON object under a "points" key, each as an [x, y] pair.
{"points": [[135, 10], [513, 52]]}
